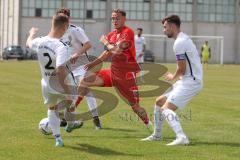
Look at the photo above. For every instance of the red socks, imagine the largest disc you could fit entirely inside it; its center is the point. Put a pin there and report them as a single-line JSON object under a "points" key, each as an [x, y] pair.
{"points": [[141, 114], [78, 101]]}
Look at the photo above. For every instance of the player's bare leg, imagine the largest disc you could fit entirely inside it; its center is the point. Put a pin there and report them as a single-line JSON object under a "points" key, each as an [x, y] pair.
{"points": [[142, 114], [90, 80]]}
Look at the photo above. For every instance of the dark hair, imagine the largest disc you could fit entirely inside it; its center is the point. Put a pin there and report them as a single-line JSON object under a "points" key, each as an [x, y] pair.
{"points": [[65, 11], [140, 29], [119, 11], [172, 19], [60, 20]]}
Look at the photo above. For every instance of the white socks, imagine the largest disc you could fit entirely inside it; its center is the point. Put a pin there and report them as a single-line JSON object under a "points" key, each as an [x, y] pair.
{"points": [[173, 121], [158, 120], [54, 122], [92, 104]]}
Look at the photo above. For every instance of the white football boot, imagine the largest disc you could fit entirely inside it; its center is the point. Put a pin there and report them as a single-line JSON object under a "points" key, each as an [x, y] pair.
{"points": [[179, 141], [152, 138]]}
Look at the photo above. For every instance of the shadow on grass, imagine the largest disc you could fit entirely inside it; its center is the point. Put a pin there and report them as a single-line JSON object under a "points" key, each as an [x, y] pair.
{"points": [[120, 129], [118, 136], [226, 144], [99, 150]]}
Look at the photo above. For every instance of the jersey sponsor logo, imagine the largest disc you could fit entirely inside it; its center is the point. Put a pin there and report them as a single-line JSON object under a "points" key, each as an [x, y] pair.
{"points": [[123, 36], [50, 74]]}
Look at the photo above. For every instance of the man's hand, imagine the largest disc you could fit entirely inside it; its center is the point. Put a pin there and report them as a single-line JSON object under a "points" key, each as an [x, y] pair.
{"points": [[88, 66], [33, 31], [103, 40], [169, 77], [74, 58]]}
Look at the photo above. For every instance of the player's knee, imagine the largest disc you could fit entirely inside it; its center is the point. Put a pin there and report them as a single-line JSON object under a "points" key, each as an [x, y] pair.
{"points": [[170, 106], [54, 107], [82, 90], [90, 78], [82, 83], [161, 100]]}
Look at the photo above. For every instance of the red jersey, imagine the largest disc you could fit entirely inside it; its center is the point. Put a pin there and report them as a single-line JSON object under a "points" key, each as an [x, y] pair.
{"points": [[125, 61]]}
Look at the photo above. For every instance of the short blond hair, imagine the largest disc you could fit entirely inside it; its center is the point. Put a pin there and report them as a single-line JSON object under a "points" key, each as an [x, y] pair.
{"points": [[60, 20], [65, 11], [120, 11]]}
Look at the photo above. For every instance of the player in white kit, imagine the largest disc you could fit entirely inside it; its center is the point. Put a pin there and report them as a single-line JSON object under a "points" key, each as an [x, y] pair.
{"points": [[140, 45], [52, 57], [79, 43], [189, 82]]}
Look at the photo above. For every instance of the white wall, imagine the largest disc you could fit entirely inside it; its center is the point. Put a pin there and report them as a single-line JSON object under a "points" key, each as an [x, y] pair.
{"points": [[9, 23], [225, 30], [95, 29]]}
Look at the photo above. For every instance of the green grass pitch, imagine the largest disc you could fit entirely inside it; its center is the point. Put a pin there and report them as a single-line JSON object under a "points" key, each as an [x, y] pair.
{"points": [[211, 120]]}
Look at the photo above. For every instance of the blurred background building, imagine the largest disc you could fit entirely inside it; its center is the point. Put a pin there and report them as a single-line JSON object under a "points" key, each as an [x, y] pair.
{"points": [[199, 17]]}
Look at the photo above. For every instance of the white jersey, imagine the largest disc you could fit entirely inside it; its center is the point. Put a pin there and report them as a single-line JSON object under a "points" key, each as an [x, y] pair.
{"points": [[75, 37], [52, 53], [139, 42], [185, 49]]}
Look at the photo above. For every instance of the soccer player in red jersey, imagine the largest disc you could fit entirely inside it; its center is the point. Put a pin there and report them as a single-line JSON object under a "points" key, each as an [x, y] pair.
{"points": [[120, 45]]}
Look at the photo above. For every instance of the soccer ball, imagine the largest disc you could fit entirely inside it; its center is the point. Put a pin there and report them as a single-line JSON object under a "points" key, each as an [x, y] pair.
{"points": [[44, 126]]}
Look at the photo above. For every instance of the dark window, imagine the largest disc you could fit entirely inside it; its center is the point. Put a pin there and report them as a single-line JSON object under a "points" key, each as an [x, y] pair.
{"points": [[38, 12], [89, 14], [189, 1], [146, 1]]}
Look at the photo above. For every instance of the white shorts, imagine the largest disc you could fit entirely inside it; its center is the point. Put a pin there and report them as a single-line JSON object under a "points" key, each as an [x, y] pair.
{"points": [[79, 72], [78, 78], [183, 91], [51, 99]]}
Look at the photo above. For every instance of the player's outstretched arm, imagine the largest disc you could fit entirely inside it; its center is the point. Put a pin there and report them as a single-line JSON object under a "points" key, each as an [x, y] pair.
{"points": [[104, 55], [118, 48], [32, 33], [86, 46]]}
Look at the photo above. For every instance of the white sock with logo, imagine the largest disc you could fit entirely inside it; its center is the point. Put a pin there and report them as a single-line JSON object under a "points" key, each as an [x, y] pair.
{"points": [[92, 104], [54, 122], [174, 122], [158, 120]]}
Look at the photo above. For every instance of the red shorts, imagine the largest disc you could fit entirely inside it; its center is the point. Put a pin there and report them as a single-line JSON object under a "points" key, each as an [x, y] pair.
{"points": [[125, 84], [105, 74]]}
